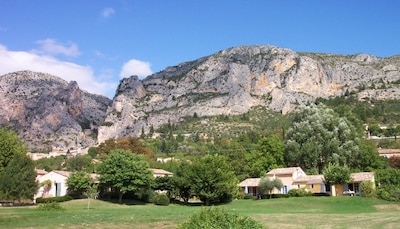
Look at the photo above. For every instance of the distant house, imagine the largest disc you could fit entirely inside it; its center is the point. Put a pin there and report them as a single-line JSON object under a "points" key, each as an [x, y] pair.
{"points": [[312, 183], [353, 188], [161, 173], [55, 184], [388, 153], [250, 186], [287, 176]]}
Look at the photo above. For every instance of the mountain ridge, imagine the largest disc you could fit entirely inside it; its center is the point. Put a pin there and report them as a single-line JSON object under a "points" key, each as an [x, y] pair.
{"points": [[47, 111], [234, 80]]}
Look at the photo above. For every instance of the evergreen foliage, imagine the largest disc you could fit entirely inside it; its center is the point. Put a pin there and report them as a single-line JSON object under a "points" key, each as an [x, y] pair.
{"points": [[318, 137], [218, 218], [125, 172]]}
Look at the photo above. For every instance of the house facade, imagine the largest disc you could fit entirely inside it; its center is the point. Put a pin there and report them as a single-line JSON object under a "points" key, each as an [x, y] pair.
{"points": [[53, 184], [354, 187], [295, 178], [287, 176]]}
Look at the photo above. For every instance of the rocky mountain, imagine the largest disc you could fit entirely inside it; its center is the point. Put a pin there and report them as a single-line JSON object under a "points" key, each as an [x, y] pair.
{"points": [[49, 112], [235, 80]]}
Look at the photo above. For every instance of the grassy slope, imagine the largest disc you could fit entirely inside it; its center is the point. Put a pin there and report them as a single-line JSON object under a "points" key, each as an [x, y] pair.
{"points": [[308, 212]]}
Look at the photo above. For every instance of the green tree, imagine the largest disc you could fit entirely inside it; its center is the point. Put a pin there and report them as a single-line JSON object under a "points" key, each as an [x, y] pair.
{"points": [[181, 182], [213, 180], [272, 151], [92, 152], [10, 145], [79, 182], [125, 172], [79, 163], [318, 137], [336, 174], [267, 185], [91, 193], [18, 179]]}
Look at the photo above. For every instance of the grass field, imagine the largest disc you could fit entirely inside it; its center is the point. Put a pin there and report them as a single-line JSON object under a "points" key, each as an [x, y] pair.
{"points": [[302, 212]]}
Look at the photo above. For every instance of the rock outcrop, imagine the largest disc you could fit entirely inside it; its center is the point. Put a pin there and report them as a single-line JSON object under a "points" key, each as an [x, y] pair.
{"points": [[233, 81], [49, 112]]}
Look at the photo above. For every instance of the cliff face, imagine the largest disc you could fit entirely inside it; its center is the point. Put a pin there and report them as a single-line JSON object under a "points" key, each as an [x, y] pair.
{"points": [[47, 112], [233, 81]]}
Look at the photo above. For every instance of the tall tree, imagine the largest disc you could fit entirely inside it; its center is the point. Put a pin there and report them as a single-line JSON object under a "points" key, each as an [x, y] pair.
{"points": [[318, 137], [10, 145], [125, 172], [18, 179], [272, 149], [213, 179], [181, 181]]}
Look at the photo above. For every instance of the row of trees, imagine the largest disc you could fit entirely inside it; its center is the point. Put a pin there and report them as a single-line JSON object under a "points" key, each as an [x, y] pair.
{"points": [[210, 178]]}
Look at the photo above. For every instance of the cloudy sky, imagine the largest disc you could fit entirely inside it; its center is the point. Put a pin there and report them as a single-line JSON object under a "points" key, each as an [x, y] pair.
{"points": [[96, 43]]}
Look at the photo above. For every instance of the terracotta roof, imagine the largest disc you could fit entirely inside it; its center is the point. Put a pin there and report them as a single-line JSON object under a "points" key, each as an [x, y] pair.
{"points": [[62, 173], [161, 172], [40, 172], [310, 179], [363, 176], [250, 182], [389, 151], [281, 171]]}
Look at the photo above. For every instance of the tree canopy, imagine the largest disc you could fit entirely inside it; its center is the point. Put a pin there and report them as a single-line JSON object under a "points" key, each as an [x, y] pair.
{"points": [[18, 179], [318, 137], [125, 171], [79, 182], [213, 179], [10, 145]]}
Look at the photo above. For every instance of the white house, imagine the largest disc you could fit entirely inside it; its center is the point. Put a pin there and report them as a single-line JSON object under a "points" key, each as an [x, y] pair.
{"points": [[56, 184]]}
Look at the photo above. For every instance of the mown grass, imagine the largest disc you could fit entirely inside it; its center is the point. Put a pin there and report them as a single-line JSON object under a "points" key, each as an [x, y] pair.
{"points": [[307, 212]]}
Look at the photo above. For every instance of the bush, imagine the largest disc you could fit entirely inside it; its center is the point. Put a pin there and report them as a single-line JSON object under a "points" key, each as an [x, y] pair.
{"points": [[368, 189], [162, 200], [389, 193], [41, 200], [299, 192], [51, 206], [217, 218]]}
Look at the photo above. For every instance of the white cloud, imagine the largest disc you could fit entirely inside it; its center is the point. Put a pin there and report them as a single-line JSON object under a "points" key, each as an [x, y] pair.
{"points": [[136, 67], [52, 47], [107, 12], [11, 61]]}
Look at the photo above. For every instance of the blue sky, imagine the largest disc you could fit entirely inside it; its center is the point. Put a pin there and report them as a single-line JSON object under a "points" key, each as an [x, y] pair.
{"points": [[98, 42]]}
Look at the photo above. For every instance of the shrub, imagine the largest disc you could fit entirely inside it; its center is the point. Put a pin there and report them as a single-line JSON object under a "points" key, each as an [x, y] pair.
{"points": [[51, 206], [161, 199], [368, 189], [299, 192], [217, 218], [41, 200]]}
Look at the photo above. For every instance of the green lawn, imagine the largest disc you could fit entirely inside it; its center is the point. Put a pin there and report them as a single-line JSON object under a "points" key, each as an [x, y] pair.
{"points": [[304, 212]]}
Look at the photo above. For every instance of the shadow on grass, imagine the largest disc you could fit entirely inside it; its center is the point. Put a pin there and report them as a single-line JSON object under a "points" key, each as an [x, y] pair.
{"points": [[124, 201]]}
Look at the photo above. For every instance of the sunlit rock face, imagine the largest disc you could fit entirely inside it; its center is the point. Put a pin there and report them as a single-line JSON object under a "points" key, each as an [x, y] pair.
{"points": [[233, 81]]}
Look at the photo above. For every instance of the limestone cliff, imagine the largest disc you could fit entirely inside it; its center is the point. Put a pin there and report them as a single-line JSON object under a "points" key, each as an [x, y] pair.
{"points": [[49, 112], [233, 81]]}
